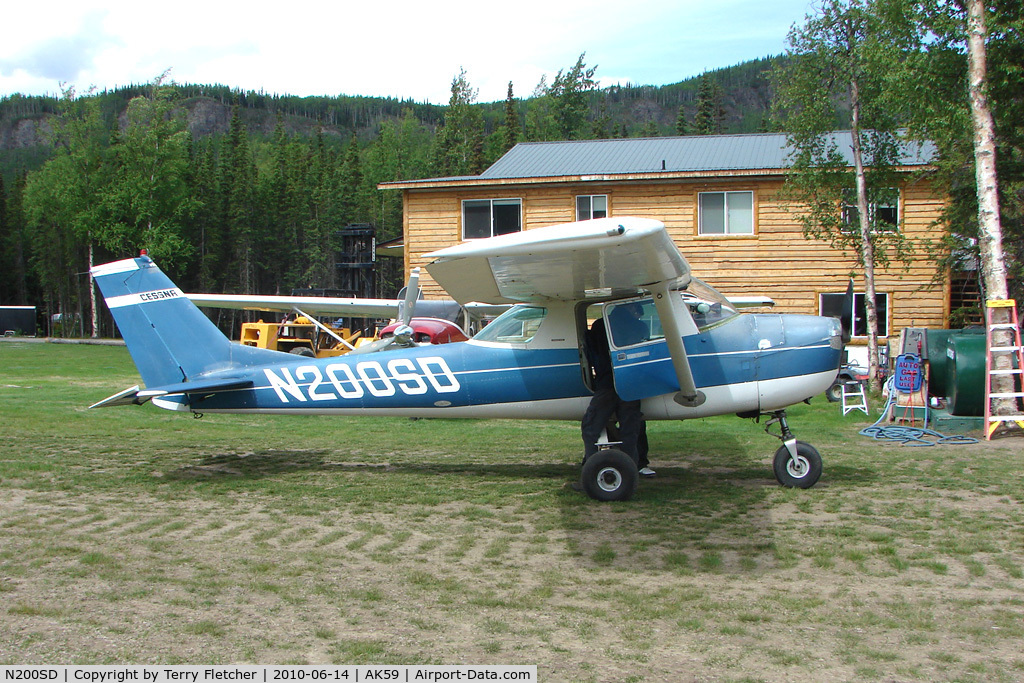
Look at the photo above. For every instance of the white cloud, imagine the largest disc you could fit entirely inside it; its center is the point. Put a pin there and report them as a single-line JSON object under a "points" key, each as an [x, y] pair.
{"points": [[398, 48]]}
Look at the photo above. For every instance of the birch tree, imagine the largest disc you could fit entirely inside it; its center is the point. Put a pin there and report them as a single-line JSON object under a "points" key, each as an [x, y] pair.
{"points": [[835, 66], [146, 202], [990, 228], [970, 111], [990, 232]]}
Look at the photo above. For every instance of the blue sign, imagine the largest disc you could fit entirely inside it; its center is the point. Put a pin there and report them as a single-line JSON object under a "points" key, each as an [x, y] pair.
{"points": [[909, 374]]}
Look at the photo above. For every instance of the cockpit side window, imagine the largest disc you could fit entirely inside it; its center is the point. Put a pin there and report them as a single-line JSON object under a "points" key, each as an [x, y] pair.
{"points": [[707, 305], [633, 322]]}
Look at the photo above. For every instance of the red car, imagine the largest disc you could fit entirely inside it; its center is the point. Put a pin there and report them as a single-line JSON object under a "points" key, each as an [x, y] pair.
{"points": [[430, 330]]}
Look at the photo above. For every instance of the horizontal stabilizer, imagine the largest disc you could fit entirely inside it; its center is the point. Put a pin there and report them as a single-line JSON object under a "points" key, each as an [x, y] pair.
{"points": [[122, 398], [136, 396]]}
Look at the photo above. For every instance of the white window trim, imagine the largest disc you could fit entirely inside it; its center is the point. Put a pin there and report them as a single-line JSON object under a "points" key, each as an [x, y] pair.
{"points": [[727, 233], [519, 200], [882, 320], [591, 197]]}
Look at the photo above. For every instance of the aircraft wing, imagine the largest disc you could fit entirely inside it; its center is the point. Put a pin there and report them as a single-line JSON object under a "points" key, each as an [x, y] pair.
{"points": [[597, 259], [341, 306], [321, 305]]}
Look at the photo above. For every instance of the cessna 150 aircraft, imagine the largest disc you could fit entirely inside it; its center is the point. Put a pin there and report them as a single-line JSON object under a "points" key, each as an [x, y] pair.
{"points": [[701, 357]]}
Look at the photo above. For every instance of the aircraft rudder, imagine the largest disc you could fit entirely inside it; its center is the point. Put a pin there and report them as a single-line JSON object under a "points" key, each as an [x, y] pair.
{"points": [[169, 338]]}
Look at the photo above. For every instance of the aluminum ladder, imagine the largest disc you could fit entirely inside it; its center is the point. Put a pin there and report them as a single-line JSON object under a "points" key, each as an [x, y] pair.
{"points": [[854, 398]]}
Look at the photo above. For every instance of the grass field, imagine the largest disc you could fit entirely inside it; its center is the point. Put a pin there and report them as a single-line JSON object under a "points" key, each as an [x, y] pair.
{"points": [[134, 535]]}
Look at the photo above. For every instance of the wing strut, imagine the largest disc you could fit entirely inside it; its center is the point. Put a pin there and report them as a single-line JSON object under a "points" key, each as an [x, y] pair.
{"points": [[688, 395], [324, 328]]}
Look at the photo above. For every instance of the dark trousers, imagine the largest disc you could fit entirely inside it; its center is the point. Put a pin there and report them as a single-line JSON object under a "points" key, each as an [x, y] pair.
{"points": [[603, 405], [642, 447]]}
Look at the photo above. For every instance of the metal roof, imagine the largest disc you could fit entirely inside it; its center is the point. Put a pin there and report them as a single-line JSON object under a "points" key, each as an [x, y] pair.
{"points": [[669, 154]]}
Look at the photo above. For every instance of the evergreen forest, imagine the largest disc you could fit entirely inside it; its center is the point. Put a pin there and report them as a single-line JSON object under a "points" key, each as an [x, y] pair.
{"points": [[246, 192]]}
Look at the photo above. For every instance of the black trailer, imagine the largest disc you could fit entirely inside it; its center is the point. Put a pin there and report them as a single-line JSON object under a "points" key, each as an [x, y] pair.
{"points": [[18, 321]]}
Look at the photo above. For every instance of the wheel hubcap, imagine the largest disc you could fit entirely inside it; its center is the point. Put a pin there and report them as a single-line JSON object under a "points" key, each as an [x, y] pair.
{"points": [[609, 479], [798, 467]]}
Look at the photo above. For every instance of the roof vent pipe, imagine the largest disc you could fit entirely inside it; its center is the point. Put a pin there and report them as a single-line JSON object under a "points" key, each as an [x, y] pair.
{"points": [[662, 164]]}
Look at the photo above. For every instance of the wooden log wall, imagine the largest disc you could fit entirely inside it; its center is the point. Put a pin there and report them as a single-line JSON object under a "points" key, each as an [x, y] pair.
{"points": [[776, 261]]}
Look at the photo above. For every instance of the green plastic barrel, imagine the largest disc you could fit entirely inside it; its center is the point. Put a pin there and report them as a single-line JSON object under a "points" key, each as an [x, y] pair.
{"points": [[965, 374]]}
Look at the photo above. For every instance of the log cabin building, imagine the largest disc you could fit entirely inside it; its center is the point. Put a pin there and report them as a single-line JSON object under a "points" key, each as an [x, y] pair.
{"points": [[719, 198]]}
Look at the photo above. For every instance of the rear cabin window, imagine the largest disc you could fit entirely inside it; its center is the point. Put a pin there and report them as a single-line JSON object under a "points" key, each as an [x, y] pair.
{"points": [[516, 325]]}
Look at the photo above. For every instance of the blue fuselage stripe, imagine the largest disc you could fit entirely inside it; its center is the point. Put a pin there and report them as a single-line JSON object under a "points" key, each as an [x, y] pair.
{"points": [[468, 374]]}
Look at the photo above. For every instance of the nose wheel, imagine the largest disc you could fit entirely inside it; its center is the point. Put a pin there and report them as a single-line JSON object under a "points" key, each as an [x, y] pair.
{"points": [[796, 464]]}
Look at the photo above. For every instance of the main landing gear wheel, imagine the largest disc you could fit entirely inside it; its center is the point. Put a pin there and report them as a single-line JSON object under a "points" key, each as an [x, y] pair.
{"points": [[801, 472], [609, 474]]}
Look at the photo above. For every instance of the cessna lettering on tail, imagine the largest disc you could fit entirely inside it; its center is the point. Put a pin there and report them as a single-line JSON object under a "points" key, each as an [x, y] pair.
{"points": [[144, 297], [341, 380]]}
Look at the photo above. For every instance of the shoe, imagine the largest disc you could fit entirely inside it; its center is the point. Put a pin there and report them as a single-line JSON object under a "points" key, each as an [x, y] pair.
{"points": [[647, 472]]}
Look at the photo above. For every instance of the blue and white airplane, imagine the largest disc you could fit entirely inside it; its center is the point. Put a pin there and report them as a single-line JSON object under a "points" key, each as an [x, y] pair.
{"points": [[701, 356]]}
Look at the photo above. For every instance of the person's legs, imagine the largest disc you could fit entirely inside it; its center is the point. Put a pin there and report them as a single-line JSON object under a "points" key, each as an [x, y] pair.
{"points": [[630, 426], [601, 407], [641, 446]]}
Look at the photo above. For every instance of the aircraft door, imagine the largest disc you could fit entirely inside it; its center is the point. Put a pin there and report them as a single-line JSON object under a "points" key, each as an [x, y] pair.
{"points": [[641, 363]]}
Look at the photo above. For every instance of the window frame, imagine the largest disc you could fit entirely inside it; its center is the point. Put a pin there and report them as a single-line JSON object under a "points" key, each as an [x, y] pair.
{"points": [[516, 326], [650, 320], [590, 208], [848, 211], [726, 232], [885, 298], [491, 203]]}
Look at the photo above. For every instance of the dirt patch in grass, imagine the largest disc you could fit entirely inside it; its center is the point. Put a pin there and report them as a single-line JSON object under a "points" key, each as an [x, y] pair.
{"points": [[705, 576]]}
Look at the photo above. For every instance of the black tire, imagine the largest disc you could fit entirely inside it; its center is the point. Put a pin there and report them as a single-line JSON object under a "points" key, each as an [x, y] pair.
{"points": [[834, 393], [802, 473], [303, 351], [609, 474]]}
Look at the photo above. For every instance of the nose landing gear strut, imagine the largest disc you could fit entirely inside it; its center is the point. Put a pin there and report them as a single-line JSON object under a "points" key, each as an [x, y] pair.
{"points": [[796, 464]]}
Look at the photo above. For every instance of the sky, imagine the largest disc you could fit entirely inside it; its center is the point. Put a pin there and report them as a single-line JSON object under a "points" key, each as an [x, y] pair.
{"points": [[391, 48]]}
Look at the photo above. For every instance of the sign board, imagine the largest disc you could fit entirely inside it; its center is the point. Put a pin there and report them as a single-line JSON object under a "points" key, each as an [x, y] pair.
{"points": [[908, 373]]}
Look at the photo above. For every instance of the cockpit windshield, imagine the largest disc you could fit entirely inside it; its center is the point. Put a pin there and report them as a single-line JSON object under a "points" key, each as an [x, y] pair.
{"points": [[707, 305], [516, 325]]}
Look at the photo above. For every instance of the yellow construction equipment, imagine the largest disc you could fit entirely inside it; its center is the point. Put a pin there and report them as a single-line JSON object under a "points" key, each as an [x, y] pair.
{"points": [[301, 335]]}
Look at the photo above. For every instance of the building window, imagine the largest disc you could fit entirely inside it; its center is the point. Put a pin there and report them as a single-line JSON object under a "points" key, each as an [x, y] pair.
{"points": [[725, 213], [591, 206], [883, 210], [832, 305], [489, 217]]}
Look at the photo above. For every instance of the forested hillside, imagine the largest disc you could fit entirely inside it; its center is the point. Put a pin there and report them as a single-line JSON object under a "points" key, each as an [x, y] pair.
{"points": [[243, 192], [237, 191], [622, 110]]}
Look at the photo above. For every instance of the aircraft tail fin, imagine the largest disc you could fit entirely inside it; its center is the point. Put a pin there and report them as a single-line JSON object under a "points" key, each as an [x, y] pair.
{"points": [[170, 340]]}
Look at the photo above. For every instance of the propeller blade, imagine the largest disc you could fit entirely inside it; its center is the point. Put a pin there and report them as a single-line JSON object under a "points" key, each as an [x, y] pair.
{"points": [[373, 347], [403, 335], [412, 292]]}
